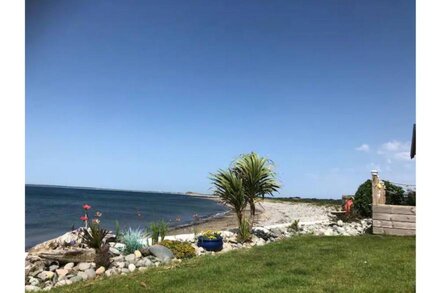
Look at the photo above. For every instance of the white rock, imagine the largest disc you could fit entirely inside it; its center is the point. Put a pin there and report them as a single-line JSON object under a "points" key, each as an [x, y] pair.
{"points": [[351, 232], [120, 246], [62, 272], [31, 288], [131, 267], [226, 247], [82, 266], [340, 223], [147, 262], [69, 266], [82, 275], [226, 234], [137, 253], [130, 258], [46, 275], [114, 251], [90, 274], [124, 271], [117, 258], [260, 242], [328, 232], [34, 281], [61, 283], [120, 264], [100, 270], [340, 230], [76, 279]]}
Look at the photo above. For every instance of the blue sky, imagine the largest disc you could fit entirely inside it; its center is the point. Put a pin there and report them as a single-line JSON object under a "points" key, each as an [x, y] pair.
{"points": [[155, 95]]}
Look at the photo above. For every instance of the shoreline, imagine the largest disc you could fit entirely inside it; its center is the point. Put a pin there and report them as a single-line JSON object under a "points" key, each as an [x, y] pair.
{"points": [[268, 213]]}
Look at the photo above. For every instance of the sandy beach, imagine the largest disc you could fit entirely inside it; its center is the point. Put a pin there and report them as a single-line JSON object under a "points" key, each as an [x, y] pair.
{"points": [[268, 212]]}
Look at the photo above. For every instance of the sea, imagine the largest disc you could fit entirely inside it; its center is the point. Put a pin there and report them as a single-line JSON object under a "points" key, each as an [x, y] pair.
{"points": [[54, 210]]}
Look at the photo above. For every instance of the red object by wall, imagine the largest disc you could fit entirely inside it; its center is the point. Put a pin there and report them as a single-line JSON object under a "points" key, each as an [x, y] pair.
{"points": [[347, 205]]}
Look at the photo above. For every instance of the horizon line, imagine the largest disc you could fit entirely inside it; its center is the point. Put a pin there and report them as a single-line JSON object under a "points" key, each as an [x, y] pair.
{"points": [[188, 193]]}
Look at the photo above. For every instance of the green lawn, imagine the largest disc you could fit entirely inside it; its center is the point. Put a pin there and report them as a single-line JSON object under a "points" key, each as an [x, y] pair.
{"points": [[299, 264]]}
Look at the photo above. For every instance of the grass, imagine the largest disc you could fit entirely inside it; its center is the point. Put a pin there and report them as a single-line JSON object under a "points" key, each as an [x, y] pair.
{"points": [[368, 263]]}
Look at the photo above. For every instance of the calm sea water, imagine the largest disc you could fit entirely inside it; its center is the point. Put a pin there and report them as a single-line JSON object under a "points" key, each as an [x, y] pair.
{"points": [[52, 211]]}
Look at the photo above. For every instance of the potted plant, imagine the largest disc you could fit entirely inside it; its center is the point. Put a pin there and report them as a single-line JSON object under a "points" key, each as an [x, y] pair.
{"points": [[210, 241]]}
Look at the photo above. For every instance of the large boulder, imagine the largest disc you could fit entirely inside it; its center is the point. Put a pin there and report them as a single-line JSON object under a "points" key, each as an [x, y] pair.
{"points": [[263, 233], [69, 239], [161, 252]]}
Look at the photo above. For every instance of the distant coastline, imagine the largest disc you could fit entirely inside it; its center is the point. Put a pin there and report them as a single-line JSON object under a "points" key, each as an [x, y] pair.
{"points": [[187, 193], [113, 189]]}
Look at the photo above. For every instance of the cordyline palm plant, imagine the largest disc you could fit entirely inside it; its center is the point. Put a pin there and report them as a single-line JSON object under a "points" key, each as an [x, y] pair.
{"points": [[95, 238], [229, 187], [258, 177]]}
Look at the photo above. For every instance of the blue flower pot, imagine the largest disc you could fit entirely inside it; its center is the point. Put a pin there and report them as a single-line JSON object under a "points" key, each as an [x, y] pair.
{"points": [[210, 244]]}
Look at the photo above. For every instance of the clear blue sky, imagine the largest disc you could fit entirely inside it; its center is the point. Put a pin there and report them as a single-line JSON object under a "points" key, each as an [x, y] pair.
{"points": [[155, 95]]}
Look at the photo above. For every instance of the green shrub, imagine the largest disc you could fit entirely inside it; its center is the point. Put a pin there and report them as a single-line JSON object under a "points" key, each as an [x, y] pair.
{"points": [[395, 194], [132, 239], [363, 197], [294, 226], [411, 198], [158, 229], [155, 232], [180, 249], [117, 231], [163, 229]]}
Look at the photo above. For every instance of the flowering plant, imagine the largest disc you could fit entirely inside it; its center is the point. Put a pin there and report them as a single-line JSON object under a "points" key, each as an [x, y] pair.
{"points": [[85, 218], [210, 235]]}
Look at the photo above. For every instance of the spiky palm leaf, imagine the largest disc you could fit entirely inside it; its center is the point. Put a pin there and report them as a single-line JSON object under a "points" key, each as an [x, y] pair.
{"points": [[257, 176], [94, 238], [229, 187]]}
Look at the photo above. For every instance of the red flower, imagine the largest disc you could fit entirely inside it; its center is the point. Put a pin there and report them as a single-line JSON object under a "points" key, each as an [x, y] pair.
{"points": [[86, 207], [84, 218]]}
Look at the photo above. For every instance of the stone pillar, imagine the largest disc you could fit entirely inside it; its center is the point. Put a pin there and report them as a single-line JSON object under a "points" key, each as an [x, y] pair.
{"points": [[378, 189]]}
